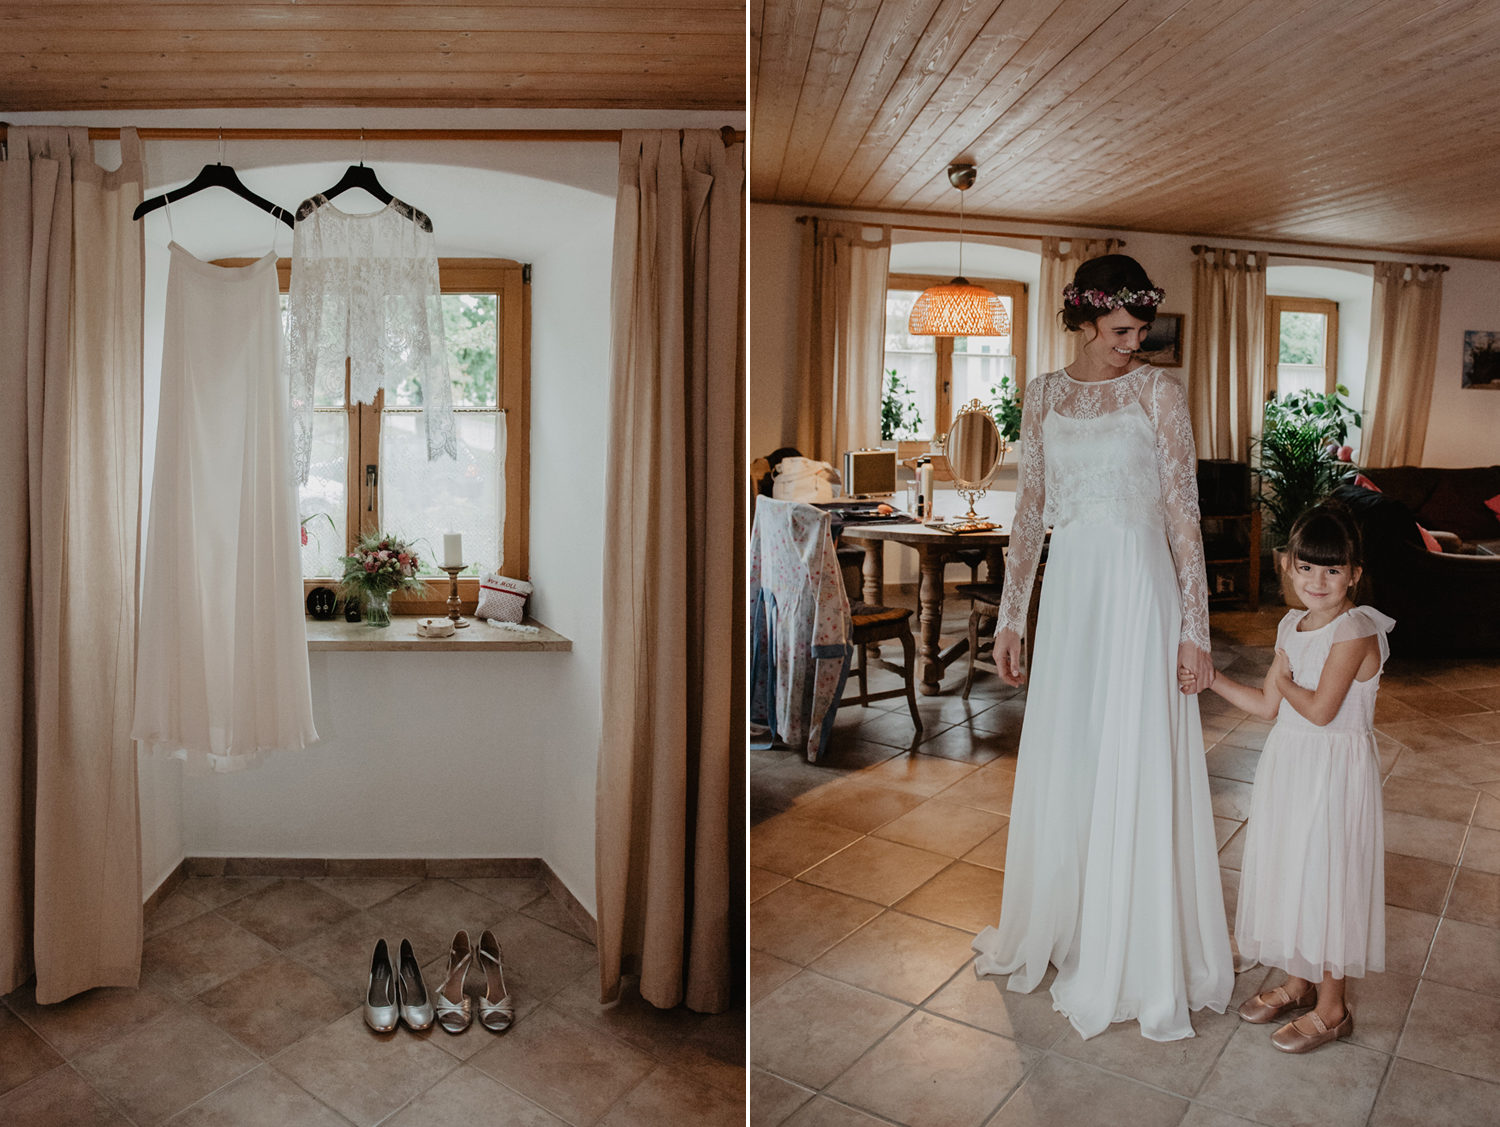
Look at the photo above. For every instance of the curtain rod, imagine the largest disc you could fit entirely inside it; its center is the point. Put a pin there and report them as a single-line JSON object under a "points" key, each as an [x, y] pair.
{"points": [[967, 231], [1198, 248], [148, 133]]}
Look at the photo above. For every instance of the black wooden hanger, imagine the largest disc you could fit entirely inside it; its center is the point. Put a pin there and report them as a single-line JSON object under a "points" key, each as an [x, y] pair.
{"points": [[362, 176], [214, 176]]}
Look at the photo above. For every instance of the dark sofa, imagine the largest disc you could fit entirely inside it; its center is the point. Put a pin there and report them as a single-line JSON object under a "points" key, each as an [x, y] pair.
{"points": [[1444, 500], [1444, 603]]}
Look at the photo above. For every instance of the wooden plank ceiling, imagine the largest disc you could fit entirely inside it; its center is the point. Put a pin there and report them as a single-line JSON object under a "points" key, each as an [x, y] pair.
{"points": [[1367, 123], [634, 54]]}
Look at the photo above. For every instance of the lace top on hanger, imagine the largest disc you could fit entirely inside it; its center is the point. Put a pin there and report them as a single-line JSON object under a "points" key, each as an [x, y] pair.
{"points": [[365, 287], [1114, 451]]}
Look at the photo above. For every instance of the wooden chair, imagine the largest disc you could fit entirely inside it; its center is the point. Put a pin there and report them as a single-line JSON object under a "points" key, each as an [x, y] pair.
{"points": [[873, 625], [984, 604]]}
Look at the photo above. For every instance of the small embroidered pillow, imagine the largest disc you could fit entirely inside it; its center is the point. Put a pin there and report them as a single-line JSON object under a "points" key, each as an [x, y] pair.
{"points": [[502, 599]]}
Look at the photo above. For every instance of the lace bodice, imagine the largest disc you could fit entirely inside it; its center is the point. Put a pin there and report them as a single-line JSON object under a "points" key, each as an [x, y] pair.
{"points": [[1116, 451], [1307, 651], [365, 287]]}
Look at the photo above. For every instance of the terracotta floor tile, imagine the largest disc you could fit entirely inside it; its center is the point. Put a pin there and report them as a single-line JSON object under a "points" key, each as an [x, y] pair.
{"points": [[791, 843], [891, 732], [23, 1055], [1411, 882], [1232, 852], [1463, 675], [897, 955], [875, 869], [1430, 800], [991, 851], [1481, 726], [858, 806], [1452, 1029], [763, 881], [551, 911], [1425, 734], [973, 744], [920, 774], [363, 1075], [1475, 897], [1416, 836], [1230, 762], [573, 1071], [1482, 850], [773, 1100], [363, 892], [798, 922], [430, 911], [1487, 813], [88, 1020], [539, 961], [989, 788], [1437, 702], [1231, 798], [508, 892], [176, 909], [767, 972], [287, 912], [813, 1028], [218, 891], [1250, 734], [823, 1112], [1380, 1003], [1390, 709], [1408, 938], [986, 1003], [932, 1072], [1333, 1087], [1065, 1093], [467, 1097], [669, 1099], [164, 1066], [1417, 1095], [1201, 1116], [943, 827], [199, 954], [262, 1098], [340, 955], [60, 1098], [963, 895], [1466, 955], [1178, 1066], [268, 1007]]}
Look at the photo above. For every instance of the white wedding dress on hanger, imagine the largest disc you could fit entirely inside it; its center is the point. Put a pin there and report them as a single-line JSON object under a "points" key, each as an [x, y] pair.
{"points": [[1111, 867]]}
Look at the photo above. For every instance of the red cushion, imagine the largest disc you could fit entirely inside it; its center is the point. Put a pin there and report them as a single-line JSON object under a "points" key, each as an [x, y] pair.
{"points": [[1429, 541], [1493, 505], [1361, 479]]}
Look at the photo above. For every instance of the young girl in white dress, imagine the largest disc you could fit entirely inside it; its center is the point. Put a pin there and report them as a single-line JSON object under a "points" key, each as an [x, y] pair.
{"points": [[1312, 896], [1111, 870]]}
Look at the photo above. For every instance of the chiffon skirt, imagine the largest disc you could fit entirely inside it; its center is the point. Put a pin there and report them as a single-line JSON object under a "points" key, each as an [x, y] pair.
{"points": [[1312, 882], [1112, 865]]}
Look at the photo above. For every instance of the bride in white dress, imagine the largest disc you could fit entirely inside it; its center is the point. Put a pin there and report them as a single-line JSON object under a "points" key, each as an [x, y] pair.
{"points": [[1111, 868]]}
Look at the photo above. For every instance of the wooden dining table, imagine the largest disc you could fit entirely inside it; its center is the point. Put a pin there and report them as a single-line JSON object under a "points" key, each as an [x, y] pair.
{"points": [[934, 550]]}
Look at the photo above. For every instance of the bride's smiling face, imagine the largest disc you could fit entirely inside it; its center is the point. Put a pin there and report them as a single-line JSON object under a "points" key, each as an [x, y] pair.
{"points": [[1113, 339]]}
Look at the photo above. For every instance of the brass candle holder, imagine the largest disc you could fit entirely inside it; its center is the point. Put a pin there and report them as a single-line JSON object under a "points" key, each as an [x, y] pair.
{"points": [[454, 605]]}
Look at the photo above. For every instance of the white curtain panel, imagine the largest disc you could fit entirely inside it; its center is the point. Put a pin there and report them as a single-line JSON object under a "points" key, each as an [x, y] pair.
{"points": [[841, 337], [70, 457], [1226, 350], [1054, 345], [1402, 360]]}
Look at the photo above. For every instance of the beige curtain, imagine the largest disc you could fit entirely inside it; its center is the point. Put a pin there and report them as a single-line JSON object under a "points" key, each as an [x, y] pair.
{"points": [[1403, 355], [1226, 350], [70, 317], [1054, 346], [841, 337], [670, 845]]}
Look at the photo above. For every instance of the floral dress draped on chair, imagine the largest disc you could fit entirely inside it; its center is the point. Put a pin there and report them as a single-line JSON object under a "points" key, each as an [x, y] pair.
{"points": [[1111, 868]]}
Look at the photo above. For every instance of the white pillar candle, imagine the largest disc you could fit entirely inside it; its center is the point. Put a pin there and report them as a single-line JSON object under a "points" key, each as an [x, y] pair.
{"points": [[453, 549]]}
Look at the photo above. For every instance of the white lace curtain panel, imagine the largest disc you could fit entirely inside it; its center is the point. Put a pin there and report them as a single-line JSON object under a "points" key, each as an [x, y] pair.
{"points": [[365, 287]]}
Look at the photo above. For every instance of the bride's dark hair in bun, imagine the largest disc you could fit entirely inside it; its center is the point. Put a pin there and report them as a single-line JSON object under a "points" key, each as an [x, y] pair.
{"points": [[1111, 281]]}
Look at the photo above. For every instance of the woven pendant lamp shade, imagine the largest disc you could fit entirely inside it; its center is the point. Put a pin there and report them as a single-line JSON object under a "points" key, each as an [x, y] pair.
{"points": [[958, 309]]}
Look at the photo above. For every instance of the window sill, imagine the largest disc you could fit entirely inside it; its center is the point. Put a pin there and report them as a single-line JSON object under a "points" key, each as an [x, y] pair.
{"points": [[401, 634]]}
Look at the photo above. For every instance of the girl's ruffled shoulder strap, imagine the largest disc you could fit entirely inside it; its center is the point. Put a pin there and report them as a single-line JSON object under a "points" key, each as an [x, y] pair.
{"points": [[1362, 622]]}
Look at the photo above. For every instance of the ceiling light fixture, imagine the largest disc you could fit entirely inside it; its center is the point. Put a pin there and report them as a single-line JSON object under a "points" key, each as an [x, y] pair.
{"points": [[959, 308]]}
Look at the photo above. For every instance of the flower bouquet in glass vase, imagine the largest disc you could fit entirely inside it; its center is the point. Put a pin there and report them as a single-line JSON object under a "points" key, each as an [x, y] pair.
{"points": [[381, 565]]}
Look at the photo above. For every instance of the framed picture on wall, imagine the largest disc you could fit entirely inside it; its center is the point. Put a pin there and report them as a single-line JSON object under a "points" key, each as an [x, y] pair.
{"points": [[1163, 344], [1482, 360]]}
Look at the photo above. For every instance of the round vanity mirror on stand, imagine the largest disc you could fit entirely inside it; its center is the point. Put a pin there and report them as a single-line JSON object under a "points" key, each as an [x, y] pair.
{"points": [[976, 452]]}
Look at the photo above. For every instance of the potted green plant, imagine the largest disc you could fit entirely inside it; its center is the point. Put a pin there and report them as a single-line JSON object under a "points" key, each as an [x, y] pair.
{"points": [[1301, 456], [899, 417], [1005, 405]]}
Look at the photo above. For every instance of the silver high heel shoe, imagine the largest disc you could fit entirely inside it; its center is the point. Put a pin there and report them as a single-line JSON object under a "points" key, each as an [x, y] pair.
{"points": [[380, 994], [411, 991], [454, 1017], [496, 1011]]}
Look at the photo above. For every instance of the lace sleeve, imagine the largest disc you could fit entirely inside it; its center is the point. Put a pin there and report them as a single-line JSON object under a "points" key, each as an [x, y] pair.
{"points": [[1028, 530], [1177, 467]]}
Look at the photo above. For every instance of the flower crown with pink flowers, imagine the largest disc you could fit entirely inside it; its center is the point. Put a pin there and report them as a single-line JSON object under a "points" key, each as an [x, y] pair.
{"points": [[1098, 299]]}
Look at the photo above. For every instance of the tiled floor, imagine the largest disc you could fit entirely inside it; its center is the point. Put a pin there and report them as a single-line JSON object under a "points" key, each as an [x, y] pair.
{"points": [[872, 871], [248, 1014]]}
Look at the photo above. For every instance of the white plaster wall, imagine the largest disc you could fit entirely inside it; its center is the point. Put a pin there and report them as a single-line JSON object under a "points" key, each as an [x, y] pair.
{"points": [[429, 755]]}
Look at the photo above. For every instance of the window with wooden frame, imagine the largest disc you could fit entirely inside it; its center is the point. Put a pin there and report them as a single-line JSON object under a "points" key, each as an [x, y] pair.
{"points": [[940, 374], [1303, 338], [369, 470]]}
